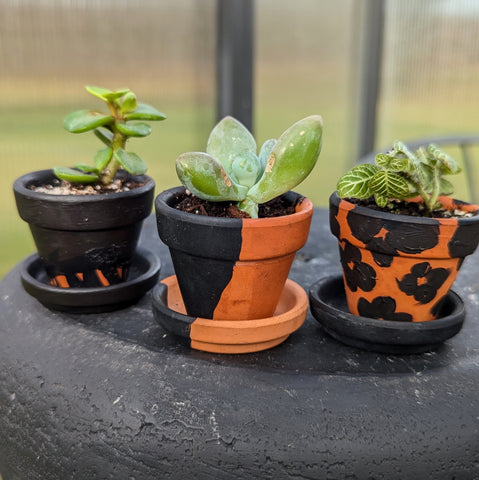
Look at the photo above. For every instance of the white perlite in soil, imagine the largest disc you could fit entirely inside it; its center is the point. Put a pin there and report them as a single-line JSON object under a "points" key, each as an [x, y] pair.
{"points": [[67, 188]]}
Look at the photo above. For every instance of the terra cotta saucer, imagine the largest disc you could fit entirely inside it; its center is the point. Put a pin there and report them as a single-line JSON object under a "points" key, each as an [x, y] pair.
{"points": [[230, 336], [329, 307]]}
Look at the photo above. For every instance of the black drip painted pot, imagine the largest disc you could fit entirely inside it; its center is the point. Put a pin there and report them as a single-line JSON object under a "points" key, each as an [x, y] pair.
{"points": [[84, 241], [399, 267], [231, 268]]}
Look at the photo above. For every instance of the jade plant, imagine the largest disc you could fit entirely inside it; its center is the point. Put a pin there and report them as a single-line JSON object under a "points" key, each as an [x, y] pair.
{"points": [[400, 175], [231, 169], [113, 128]]}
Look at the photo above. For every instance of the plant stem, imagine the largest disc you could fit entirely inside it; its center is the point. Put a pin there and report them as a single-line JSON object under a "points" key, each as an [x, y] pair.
{"points": [[429, 200], [118, 142], [435, 190], [424, 195], [250, 207]]}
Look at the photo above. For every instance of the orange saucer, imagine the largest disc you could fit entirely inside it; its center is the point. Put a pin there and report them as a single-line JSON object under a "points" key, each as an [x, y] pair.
{"points": [[230, 336]]}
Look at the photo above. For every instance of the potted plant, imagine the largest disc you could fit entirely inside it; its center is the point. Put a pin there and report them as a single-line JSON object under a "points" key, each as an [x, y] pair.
{"points": [[86, 220], [234, 267], [402, 239]]}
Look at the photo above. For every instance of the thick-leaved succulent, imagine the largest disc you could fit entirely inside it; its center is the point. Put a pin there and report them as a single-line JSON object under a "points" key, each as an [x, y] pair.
{"points": [[113, 129], [231, 169], [401, 174]]}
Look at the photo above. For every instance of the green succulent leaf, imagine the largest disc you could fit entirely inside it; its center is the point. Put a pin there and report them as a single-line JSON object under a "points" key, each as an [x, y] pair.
{"points": [[205, 177], [116, 94], [102, 158], [228, 140], [144, 111], [129, 103], [250, 207], [106, 136], [134, 129], [86, 168], [389, 185], [84, 120], [291, 160], [131, 162], [75, 176], [246, 169], [98, 92], [105, 94], [265, 152], [355, 182]]}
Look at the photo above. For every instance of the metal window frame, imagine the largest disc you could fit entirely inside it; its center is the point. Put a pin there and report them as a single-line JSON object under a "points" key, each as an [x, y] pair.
{"points": [[235, 60], [235, 65], [372, 25]]}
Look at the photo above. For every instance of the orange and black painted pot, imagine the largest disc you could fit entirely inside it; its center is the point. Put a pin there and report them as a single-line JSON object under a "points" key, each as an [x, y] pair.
{"points": [[399, 267], [230, 268], [84, 241]]}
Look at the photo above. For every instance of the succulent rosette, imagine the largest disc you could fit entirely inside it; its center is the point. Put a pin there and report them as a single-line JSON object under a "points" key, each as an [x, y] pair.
{"points": [[232, 170]]}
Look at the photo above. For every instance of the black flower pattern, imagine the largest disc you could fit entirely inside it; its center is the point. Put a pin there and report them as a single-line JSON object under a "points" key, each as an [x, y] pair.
{"points": [[460, 244], [383, 308], [382, 236], [357, 273], [423, 282]]}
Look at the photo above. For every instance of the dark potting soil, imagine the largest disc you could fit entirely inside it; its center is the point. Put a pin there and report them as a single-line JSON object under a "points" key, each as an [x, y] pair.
{"points": [[62, 187], [413, 209], [274, 208]]}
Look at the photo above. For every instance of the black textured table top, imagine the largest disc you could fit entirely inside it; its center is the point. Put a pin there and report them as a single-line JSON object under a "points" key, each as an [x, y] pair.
{"points": [[114, 395]]}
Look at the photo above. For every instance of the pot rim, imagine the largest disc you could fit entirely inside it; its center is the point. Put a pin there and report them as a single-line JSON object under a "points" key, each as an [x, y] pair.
{"points": [[162, 205], [335, 200], [81, 212], [20, 185]]}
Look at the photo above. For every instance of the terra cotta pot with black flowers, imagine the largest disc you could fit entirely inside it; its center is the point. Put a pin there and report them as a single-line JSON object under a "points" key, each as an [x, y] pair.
{"points": [[86, 220], [398, 267], [235, 270], [402, 241]]}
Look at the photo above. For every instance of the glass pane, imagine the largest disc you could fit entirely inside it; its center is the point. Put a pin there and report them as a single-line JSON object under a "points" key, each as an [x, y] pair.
{"points": [[305, 65], [163, 50], [430, 72]]}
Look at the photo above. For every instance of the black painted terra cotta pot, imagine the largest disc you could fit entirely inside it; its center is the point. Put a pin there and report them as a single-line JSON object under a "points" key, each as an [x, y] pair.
{"points": [[84, 240], [400, 267], [231, 268]]}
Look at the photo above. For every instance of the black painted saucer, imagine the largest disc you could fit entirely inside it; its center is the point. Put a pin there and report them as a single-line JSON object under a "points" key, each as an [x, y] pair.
{"points": [[142, 276], [329, 307]]}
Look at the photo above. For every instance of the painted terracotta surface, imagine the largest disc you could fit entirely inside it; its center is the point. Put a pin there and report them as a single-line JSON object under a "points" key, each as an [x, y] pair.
{"points": [[231, 268], [397, 267], [231, 336], [268, 247], [84, 241], [94, 278]]}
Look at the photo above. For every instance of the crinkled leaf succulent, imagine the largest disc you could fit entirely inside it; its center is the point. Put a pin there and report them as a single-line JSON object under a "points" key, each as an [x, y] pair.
{"points": [[401, 174], [113, 129], [232, 170]]}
